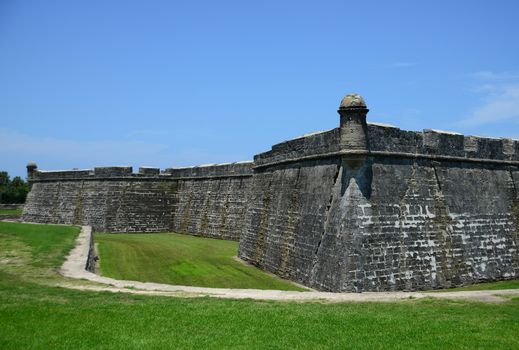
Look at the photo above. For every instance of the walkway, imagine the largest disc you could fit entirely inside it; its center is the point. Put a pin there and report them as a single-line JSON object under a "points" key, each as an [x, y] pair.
{"points": [[74, 267]]}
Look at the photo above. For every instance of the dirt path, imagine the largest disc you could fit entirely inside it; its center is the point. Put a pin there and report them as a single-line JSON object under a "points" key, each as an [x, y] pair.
{"points": [[74, 267]]}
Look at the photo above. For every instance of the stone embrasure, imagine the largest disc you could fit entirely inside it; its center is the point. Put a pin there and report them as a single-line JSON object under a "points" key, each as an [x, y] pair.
{"points": [[363, 207]]}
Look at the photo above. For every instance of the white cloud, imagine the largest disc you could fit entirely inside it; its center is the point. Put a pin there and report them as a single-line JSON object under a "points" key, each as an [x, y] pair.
{"points": [[500, 101]]}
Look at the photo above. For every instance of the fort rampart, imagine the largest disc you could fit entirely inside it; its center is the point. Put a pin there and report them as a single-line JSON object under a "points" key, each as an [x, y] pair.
{"points": [[205, 200], [363, 207]]}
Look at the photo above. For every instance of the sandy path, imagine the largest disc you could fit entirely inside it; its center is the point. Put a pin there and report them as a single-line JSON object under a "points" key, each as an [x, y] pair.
{"points": [[74, 267]]}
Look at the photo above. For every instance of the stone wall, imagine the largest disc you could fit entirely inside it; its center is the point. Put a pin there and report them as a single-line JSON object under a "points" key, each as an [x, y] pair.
{"points": [[395, 210], [205, 200], [363, 207], [393, 224]]}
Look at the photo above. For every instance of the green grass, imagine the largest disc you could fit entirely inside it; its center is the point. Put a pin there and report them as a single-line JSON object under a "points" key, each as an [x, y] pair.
{"points": [[511, 284], [37, 316], [10, 213], [33, 316], [180, 259], [34, 252]]}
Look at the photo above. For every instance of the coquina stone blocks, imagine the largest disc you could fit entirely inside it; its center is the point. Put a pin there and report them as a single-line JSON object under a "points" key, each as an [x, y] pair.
{"points": [[205, 201]]}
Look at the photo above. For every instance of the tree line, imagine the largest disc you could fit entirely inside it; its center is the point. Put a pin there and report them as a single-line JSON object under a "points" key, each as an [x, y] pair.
{"points": [[12, 191]]}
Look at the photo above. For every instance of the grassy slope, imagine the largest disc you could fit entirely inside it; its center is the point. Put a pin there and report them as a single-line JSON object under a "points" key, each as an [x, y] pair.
{"points": [[34, 251], [180, 259], [511, 284], [10, 213], [42, 317]]}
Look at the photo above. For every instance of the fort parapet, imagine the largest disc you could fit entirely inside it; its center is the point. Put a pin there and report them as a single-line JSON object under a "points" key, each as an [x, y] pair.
{"points": [[362, 207], [204, 200]]}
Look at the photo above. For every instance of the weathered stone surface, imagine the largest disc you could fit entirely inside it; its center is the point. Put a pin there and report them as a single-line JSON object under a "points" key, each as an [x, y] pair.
{"points": [[307, 146], [286, 210], [399, 211], [393, 224], [113, 199], [352, 101]]}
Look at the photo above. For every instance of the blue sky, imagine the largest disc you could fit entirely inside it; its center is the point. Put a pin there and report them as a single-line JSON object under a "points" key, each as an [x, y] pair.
{"points": [[180, 83]]}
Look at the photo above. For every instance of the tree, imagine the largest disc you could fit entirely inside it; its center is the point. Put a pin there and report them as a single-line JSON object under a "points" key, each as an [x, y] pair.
{"points": [[12, 191], [4, 178]]}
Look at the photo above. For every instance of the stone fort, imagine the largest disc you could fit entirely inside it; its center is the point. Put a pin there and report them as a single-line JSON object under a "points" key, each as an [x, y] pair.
{"points": [[362, 207]]}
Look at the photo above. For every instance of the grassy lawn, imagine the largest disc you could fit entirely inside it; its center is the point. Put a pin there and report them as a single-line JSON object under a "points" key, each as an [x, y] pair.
{"points": [[34, 252], [10, 213], [511, 284], [32, 316], [36, 315], [180, 259]]}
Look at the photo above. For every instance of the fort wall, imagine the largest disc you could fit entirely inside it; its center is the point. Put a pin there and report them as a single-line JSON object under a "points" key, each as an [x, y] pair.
{"points": [[393, 210], [205, 200], [362, 207]]}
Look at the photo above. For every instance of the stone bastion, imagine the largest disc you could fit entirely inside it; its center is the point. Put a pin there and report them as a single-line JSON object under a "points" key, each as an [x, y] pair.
{"points": [[362, 207]]}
